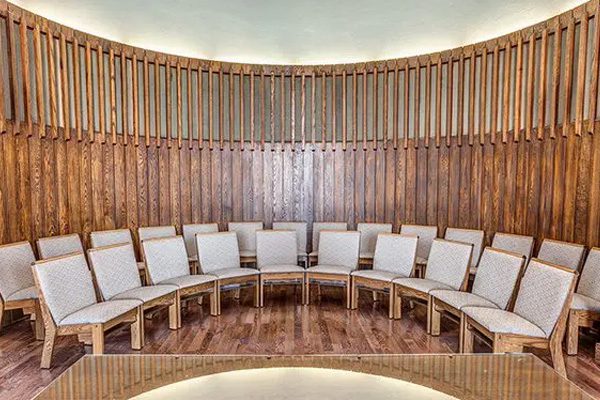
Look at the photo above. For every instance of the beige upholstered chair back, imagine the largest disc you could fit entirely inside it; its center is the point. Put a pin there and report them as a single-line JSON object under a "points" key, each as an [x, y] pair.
{"points": [[155, 232], [276, 248], [189, 235], [339, 248], [589, 283], [395, 253], [497, 275], [165, 258], [246, 234], [115, 269], [55, 246], [561, 253], [217, 251], [15, 268], [543, 292], [426, 234], [66, 284], [472, 236], [325, 226], [299, 228], [368, 236], [449, 262], [519, 244], [110, 238]]}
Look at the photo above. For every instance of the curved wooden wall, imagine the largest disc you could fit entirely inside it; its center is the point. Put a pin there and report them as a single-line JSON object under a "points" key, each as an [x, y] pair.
{"points": [[133, 137]]}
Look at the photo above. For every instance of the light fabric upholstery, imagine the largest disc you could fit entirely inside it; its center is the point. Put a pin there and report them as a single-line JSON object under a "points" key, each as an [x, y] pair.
{"points": [[146, 293], [519, 244], [542, 294], [339, 248], [583, 302], [422, 285], [155, 232], [226, 273], [377, 275], [471, 236], [15, 271], [561, 253], [448, 262], [324, 226], [115, 269], [55, 246], [497, 276], [276, 248], [100, 313], [24, 294], [589, 282], [217, 251], [426, 234], [368, 237], [331, 269], [395, 253], [459, 300], [185, 281], [501, 321], [246, 235], [299, 228], [110, 238], [66, 284], [189, 236], [165, 258]]}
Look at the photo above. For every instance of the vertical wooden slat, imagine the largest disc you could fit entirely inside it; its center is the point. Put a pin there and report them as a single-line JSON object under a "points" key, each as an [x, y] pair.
{"points": [[438, 103], [593, 96], [113, 95], [221, 110], [471, 121], [293, 109], [568, 77], [375, 109], [323, 109], [76, 90], [169, 103], [101, 103], [27, 103], [313, 107], [518, 89], [494, 94], [333, 110], [427, 102], [530, 88], [52, 85], [449, 100], [210, 108], [396, 106], [344, 111], [263, 121], [13, 73], [190, 113], [39, 85], [506, 92], [541, 106], [242, 118], [406, 103], [354, 110], [231, 111], [40, 99], [581, 79], [64, 85], [483, 97], [179, 115], [417, 105], [124, 98], [385, 106], [200, 102], [461, 99], [88, 91], [146, 74], [282, 109], [135, 101], [303, 112], [555, 93], [272, 111], [157, 106], [252, 126]]}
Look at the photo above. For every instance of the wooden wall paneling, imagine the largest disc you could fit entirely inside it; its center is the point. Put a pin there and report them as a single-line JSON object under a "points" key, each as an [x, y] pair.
{"points": [[35, 179], [395, 105], [375, 101], [113, 95], [164, 186], [359, 186], [559, 188], [354, 110], [476, 184], [272, 112], [189, 104], [380, 181], [200, 103], [124, 98], [449, 100], [483, 78], [196, 183], [157, 103], [108, 185], [443, 188], [101, 93], [466, 175], [13, 73], [146, 94], [461, 100], [39, 79], [252, 128], [417, 106], [51, 58], [487, 190], [411, 185], [169, 105], [530, 88], [506, 91], [179, 104], [293, 111], [344, 109], [246, 186], [427, 127], [323, 110], [518, 90], [349, 187], [231, 109], [572, 155], [582, 189], [421, 200], [261, 107], [135, 100], [120, 183], [282, 120], [593, 235], [438, 103], [542, 76], [64, 88], [329, 185], [25, 79], [568, 76], [210, 109], [472, 95], [555, 91], [76, 91], [594, 72], [237, 179], [495, 92], [509, 185], [364, 110], [174, 185], [581, 77]]}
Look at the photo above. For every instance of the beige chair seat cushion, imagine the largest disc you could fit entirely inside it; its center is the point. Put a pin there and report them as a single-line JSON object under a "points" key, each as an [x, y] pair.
{"points": [[422, 285], [376, 274], [368, 255], [226, 273], [330, 269], [24, 294], [280, 269], [146, 293], [100, 313], [186, 281], [247, 253], [459, 300], [582, 302], [141, 265], [501, 321], [421, 260]]}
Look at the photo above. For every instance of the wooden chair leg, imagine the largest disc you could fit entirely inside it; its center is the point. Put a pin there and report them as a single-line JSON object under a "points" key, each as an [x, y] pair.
{"points": [[468, 338], [354, 294], [261, 289], [200, 300], [257, 300], [375, 296], [307, 290], [392, 301], [435, 318], [38, 323], [217, 298], [97, 339], [236, 294], [461, 333], [303, 283], [49, 337], [349, 293], [429, 315], [397, 305], [1, 314], [558, 361], [174, 313], [572, 333], [137, 330], [177, 309]]}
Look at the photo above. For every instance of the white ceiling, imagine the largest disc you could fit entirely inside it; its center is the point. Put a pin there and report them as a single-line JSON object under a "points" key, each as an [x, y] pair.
{"points": [[298, 32]]}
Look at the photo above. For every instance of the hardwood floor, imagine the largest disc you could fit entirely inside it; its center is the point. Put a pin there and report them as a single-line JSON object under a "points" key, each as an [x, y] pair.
{"points": [[283, 326]]}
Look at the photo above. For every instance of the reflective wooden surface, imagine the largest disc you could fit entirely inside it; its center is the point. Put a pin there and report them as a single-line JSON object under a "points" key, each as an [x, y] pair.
{"points": [[478, 376]]}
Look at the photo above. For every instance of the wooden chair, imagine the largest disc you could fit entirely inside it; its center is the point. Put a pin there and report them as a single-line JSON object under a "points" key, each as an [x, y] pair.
{"points": [[219, 255], [317, 228], [519, 244], [113, 237], [246, 235], [539, 317], [277, 260], [17, 287], [447, 268], [189, 232], [155, 232], [562, 253], [368, 240], [395, 257], [55, 246], [115, 270], [585, 308], [338, 257], [470, 236], [167, 264], [494, 287], [300, 228], [426, 235], [69, 305]]}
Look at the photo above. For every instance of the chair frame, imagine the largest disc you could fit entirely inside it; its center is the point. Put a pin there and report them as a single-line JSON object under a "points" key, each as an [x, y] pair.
{"points": [[438, 306], [369, 261], [243, 282], [315, 259], [142, 270], [294, 278], [133, 317], [419, 271], [246, 260], [510, 342], [425, 298], [529, 256], [320, 277], [581, 259], [37, 243], [577, 319]]}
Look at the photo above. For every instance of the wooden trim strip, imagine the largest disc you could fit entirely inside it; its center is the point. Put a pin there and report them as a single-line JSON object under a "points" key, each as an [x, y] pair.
{"points": [[530, 88], [471, 121], [323, 110], [12, 73], [272, 112], [449, 101], [580, 93], [313, 108], [396, 105], [406, 103], [427, 102], [303, 113], [135, 100], [76, 89], [375, 107], [52, 87], [568, 77], [555, 92], [231, 110], [146, 74], [113, 95], [157, 104], [39, 85], [252, 127], [200, 103], [541, 106], [242, 119], [221, 111], [101, 94], [593, 96], [27, 103], [354, 110], [518, 89], [124, 98], [364, 111], [483, 98], [494, 94], [263, 121], [168, 103], [385, 106], [417, 105], [461, 99], [179, 104], [344, 111], [293, 110], [88, 92], [506, 92], [438, 103], [190, 112]]}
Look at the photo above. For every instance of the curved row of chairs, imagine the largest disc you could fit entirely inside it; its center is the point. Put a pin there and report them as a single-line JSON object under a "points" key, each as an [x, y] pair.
{"points": [[515, 300]]}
